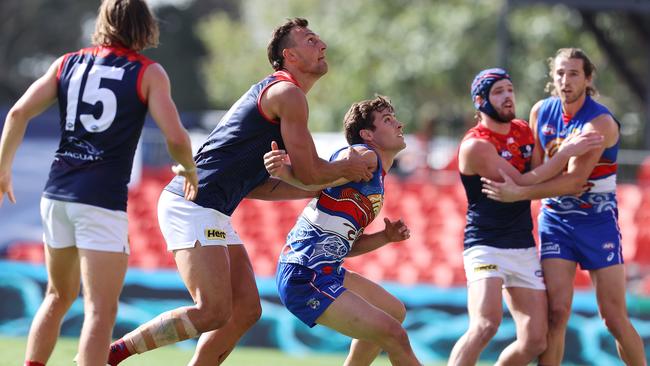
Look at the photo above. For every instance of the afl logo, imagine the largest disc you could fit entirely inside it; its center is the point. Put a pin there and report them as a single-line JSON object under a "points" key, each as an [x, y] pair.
{"points": [[548, 130], [313, 303]]}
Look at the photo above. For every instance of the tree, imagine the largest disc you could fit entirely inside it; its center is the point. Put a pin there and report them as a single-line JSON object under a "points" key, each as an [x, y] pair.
{"points": [[422, 54]]}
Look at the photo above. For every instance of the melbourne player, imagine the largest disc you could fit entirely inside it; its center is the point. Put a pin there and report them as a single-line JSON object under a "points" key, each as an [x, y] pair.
{"points": [[103, 94]]}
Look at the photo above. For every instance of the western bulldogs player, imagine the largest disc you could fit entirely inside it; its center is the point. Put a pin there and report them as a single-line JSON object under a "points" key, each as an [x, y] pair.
{"points": [[311, 279]]}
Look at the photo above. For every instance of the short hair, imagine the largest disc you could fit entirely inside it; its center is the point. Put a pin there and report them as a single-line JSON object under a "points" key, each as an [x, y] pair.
{"points": [[128, 23], [359, 117], [281, 40], [587, 66]]}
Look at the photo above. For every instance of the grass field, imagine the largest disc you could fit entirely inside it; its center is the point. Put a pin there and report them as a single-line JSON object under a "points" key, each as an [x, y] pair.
{"points": [[12, 352]]}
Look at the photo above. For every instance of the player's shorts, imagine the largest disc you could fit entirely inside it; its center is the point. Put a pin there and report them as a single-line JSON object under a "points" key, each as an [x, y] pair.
{"points": [[183, 223], [72, 224], [516, 267], [593, 241], [308, 293]]}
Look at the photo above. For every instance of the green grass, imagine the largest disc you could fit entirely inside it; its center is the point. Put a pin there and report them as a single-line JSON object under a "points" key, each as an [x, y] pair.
{"points": [[12, 352]]}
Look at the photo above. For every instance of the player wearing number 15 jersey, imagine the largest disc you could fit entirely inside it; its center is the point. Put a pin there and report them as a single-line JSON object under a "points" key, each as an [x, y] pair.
{"points": [[103, 93]]}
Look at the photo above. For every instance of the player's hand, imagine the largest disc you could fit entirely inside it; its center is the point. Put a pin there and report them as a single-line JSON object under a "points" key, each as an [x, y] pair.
{"points": [[359, 169], [277, 162], [396, 230], [6, 187], [581, 143], [191, 185], [506, 191]]}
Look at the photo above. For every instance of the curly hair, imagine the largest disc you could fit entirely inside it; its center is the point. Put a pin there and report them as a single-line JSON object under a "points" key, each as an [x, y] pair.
{"points": [[359, 117], [281, 40], [587, 66], [128, 23]]}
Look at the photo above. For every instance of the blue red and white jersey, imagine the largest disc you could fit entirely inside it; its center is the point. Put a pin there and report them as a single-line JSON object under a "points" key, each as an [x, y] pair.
{"points": [[102, 112], [497, 224], [553, 127], [330, 224], [230, 163]]}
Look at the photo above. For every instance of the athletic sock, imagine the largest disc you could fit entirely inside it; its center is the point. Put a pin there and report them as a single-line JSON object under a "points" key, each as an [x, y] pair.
{"points": [[33, 363], [118, 352]]}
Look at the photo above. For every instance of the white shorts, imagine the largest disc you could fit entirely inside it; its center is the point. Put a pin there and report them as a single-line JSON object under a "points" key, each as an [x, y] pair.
{"points": [[70, 224], [183, 223], [516, 267]]}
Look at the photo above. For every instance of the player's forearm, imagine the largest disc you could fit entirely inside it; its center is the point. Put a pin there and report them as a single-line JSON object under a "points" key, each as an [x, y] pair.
{"points": [[544, 172], [321, 172], [367, 243], [12, 135], [566, 184], [181, 151], [275, 189]]}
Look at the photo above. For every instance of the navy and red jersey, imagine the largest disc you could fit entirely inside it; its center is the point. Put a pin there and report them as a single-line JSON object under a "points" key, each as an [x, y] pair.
{"points": [[230, 163], [102, 112], [330, 224], [493, 223]]}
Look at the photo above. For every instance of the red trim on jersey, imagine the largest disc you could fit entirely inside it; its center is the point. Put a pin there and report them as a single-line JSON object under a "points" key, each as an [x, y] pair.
{"points": [[138, 85], [566, 118], [603, 169], [281, 75], [63, 61]]}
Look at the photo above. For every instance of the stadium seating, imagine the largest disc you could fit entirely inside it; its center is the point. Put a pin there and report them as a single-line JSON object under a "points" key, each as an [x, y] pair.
{"points": [[434, 213]]}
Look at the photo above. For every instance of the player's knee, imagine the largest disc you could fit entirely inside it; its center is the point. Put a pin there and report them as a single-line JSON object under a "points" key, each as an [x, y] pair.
{"points": [[614, 321], [393, 332], [60, 300], [558, 315], [535, 344], [484, 329], [211, 316], [399, 312], [100, 311], [249, 315]]}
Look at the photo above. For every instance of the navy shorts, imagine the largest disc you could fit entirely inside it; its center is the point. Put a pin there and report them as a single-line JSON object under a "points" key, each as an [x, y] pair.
{"points": [[593, 241], [307, 293]]}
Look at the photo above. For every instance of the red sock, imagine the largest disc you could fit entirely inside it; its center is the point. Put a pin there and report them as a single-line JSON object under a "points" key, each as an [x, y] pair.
{"points": [[118, 353], [33, 363]]}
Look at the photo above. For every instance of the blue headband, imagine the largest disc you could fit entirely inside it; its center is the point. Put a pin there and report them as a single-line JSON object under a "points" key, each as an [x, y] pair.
{"points": [[481, 86]]}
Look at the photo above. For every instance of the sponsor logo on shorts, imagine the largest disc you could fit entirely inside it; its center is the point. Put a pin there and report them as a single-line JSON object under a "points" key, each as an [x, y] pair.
{"points": [[550, 248], [486, 267], [609, 246], [215, 234], [313, 303], [610, 256], [539, 273]]}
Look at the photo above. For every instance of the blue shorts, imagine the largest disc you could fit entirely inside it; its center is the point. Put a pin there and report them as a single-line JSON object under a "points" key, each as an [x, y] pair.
{"points": [[307, 293], [593, 240]]}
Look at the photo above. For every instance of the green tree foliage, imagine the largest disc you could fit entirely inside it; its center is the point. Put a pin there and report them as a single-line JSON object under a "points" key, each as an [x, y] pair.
{"points": [[423, 54]]}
